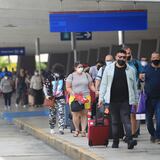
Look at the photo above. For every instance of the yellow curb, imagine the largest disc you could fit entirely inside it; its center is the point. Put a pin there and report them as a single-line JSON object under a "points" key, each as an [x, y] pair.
{"points": [[74, 151]]}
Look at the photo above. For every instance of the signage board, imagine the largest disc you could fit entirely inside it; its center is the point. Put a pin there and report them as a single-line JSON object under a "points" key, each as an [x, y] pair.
{"points": [[12, 51], [89, 21], [66, 36]]}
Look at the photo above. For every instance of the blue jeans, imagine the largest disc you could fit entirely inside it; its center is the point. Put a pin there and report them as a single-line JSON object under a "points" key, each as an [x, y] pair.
{"points": [[153, 108]]}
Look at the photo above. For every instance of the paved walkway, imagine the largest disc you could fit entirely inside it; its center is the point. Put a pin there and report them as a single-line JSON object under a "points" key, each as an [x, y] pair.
{"points": [[19, 145], [144, 149], [77, 147]]}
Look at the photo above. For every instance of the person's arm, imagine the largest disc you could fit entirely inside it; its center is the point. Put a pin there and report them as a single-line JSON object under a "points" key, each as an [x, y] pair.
{"points": [[16, 83], [97, 85], [135, 87], [69, 81], [103, 87], [69, 88], [92, 87], [90, 83], [98, 78], [31, 82]]}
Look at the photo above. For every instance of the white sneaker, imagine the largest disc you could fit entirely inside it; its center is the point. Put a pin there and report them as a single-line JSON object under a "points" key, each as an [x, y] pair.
{"points": [[5, 108], [9, 107], [61, 131], [16, 105], [52, 131], [24, 106]]}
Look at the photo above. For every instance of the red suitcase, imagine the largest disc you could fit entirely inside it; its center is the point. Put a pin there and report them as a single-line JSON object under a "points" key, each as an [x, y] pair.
{"points": [[98, 132]]}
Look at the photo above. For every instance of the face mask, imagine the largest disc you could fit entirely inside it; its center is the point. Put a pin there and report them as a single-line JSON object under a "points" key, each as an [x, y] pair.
{"points": [[121, 62], [79, 70], [36, 73], [128, 58], [144, 63], [108, 63], [5, 77], [156, 62], [98, 67]]}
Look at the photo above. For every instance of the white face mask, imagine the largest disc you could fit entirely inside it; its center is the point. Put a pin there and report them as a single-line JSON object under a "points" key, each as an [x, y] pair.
{"points": [[36, 73], [144, 63], [5, 77], [108, 62], [79, 70]]}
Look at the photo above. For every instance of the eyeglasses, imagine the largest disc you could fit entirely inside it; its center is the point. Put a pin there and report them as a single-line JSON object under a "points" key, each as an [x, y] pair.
{"points": [[122, 57]]}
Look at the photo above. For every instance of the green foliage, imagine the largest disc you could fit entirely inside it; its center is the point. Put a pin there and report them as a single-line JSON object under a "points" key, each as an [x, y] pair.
{"points": [[3, 62], [41, 66]]}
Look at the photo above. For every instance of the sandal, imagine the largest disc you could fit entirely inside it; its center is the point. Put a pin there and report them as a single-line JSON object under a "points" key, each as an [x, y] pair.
{"points": [[76, 133], [83, 134]]}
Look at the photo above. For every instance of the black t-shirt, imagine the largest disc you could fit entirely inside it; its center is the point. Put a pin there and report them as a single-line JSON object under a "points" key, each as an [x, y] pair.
{"points": [[119, 89], [152, 81]]}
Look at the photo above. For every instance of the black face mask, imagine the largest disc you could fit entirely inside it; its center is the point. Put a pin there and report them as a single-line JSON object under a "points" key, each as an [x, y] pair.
{"points": [[128, 58], [121, 62], [156, 62], [98, 67]]}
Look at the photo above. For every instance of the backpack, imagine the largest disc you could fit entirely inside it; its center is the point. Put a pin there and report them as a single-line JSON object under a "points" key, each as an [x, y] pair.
{"points": [[57, 87]]}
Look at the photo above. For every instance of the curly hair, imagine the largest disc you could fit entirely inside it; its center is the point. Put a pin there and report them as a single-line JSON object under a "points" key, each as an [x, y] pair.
{"points": [[58, 68]]}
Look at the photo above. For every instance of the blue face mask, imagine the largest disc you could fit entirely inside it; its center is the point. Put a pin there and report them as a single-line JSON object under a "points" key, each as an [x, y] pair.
{"points": [[108, 63]]}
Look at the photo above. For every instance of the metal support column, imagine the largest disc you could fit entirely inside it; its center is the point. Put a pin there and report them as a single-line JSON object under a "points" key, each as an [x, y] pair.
{"points": [[37, 49], [121, 38], [73, 45]]}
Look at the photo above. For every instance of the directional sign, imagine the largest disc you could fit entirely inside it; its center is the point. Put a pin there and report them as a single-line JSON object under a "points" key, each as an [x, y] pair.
{"points": [[84, 35], [66, 36], [12, 51]]}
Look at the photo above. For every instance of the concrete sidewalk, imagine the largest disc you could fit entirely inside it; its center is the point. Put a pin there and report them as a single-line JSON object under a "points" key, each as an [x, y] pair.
{"points": [[78, 149]]}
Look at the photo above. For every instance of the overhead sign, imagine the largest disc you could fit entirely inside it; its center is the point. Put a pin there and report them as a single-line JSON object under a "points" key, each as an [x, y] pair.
{"points": [[88, 21], [12, 51], [66, 36]]}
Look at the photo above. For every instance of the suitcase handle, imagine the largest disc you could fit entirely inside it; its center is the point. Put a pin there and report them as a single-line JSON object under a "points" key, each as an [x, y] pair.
{"points": [[101, 122]]}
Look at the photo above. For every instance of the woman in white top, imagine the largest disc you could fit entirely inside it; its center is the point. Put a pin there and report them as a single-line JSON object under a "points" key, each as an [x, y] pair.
{"points": [[6, 87]]}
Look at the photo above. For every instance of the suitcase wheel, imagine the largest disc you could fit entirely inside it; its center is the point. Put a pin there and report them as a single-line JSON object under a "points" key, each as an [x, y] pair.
{"points": [[90, 143], [107, 142]]}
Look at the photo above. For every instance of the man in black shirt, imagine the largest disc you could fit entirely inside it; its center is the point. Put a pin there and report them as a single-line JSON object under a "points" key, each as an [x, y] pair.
{"points": [[152, 89], [118, 89]]}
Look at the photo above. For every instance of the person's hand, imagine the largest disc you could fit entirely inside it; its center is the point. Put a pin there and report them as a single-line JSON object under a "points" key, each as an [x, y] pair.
{"points": [[106, 111], [100, 103], [135, 107], [97, 93], [48, 97], [142, 76]]}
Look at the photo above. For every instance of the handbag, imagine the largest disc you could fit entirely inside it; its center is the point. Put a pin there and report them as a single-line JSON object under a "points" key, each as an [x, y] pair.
{"points": [[76, 106], [142, 103], [49, 102]]}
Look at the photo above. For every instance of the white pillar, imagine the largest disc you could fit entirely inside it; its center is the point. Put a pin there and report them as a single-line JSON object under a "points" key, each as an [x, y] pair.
{"points": [[37, 50], [121, 38]]}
